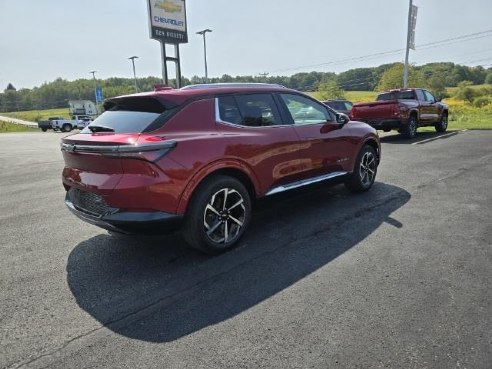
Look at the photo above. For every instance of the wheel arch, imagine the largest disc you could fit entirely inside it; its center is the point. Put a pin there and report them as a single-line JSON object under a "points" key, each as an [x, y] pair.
{"points": [[233, 169], [372, 141], [414, 113]]}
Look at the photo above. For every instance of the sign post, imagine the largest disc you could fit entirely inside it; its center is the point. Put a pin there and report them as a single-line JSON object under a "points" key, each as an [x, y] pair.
{"points": [[167, 24], [412, 23]]}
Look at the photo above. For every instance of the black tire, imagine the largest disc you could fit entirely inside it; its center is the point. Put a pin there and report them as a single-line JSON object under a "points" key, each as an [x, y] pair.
{"points": [[365, 170], [209, 223], [66, 128], [410, 129], [442, 126], [44, 129]]}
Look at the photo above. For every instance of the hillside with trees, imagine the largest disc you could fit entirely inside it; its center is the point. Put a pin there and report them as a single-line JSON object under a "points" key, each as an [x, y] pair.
{"points": [[434, 76]]}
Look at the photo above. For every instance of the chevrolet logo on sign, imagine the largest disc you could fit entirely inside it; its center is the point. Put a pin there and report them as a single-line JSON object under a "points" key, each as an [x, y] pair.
{"points": [[169, 6]]}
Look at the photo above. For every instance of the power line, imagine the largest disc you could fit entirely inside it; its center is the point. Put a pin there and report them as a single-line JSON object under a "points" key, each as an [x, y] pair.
{"points": [[430, 45], [460, 38]]}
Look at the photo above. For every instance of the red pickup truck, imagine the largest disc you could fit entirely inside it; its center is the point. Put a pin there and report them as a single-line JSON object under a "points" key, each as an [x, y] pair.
{"points": [[404, 110]]}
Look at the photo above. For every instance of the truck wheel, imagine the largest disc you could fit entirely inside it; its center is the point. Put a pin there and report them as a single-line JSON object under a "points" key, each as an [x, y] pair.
{"points": [[44, 129], [410, 129], [66, 128], [442, 126], [364, 174], [218, 215]]}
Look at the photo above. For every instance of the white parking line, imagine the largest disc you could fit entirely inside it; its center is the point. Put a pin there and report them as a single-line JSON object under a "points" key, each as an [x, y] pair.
{"points": [[439, 137]]}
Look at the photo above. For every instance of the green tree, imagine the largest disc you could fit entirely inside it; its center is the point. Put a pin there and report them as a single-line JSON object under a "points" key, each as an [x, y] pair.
{"points": [[359, 79], [330, 90], [488, 79], [436, 84], [393, 78], [11, 101]]}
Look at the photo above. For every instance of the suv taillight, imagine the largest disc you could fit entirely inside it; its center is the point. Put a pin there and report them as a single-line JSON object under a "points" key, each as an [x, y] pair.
{"points": [[148, 151], [152, 151]]}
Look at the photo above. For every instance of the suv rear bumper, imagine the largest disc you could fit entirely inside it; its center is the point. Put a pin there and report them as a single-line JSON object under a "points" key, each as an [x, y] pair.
{"points": [[129, 222]]}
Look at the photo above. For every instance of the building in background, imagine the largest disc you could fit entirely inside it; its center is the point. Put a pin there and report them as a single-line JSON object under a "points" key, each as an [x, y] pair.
{"points": [[82, 107]]}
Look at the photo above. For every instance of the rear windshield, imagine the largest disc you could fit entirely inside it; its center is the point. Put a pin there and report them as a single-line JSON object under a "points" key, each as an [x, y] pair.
{"points": [[339, 105], [400, 95], [131, 115]]}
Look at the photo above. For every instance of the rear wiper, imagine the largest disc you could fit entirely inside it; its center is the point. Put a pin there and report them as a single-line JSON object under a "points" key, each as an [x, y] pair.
{"points": [[95, 128]]}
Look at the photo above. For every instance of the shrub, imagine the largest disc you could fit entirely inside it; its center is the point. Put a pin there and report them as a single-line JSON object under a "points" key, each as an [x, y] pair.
{"points": [[465, 92], [482, 101]]}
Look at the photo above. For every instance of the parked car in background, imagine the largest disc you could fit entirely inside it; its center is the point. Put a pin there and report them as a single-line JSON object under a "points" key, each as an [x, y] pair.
{"points": [[340, 105], [44, 125], [198, 157], [82, 120], [66, 125], [404, 110]]}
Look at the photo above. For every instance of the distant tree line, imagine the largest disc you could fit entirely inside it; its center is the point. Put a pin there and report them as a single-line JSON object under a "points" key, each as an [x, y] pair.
{"points": [[435, 76]]}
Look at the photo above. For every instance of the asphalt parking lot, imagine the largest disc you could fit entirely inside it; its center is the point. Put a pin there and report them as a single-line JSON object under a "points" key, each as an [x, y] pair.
{"points": [[399, 277]]}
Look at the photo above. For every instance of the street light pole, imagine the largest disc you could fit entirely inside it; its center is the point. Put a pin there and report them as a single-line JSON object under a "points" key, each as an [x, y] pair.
{"points": [[94, 78], [95, 87], [203, 33], [134, 74]]}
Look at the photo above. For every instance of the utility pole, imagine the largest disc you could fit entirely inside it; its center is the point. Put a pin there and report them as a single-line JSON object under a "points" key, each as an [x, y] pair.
{"points": [[203, 33], [132, 58], [412, 21]]}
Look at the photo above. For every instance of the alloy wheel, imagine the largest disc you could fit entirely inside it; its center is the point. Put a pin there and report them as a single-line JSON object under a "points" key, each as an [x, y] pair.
{"points": [[444, 122], [412, 128], [224, 216], [367, 169]]}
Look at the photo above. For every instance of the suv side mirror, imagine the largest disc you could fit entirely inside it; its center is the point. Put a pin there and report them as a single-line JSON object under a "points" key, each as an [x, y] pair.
{"points": [[342, 118]]}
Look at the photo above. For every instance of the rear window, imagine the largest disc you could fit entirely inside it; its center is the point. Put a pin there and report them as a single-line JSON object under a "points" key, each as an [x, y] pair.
{"points": [[131, 115], [400, 95], [339, 105]]}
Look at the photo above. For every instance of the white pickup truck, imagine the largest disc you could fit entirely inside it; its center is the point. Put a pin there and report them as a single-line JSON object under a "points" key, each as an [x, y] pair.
{"points": [[66, 125]]}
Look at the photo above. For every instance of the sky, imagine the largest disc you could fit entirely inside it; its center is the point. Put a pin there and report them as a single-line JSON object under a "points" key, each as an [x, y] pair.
{"points": [[41, 40]]}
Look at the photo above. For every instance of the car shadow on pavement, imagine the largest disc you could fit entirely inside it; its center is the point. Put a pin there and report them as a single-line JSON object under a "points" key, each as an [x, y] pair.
{"points": [[419, 138], [155, 289]]}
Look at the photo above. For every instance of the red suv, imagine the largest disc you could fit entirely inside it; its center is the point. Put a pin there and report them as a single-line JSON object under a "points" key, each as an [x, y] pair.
{"points": [[197, 157]]}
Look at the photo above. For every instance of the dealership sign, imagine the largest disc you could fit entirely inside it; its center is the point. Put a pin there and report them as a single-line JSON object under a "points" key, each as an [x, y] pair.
{"points": [[168, 21]]}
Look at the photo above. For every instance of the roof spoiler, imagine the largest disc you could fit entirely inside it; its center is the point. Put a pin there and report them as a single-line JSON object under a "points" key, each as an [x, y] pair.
{"points": [[162, 87]]}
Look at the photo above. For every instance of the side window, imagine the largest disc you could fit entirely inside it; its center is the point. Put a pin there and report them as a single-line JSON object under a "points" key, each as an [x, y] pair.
{"points": [[420, 95], [306, 111], [253, 110], [228, 110], [429, 97]]}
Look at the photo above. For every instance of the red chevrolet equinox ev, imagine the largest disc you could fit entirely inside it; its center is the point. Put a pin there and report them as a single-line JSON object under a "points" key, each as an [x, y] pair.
{"points": [[198, 156]]}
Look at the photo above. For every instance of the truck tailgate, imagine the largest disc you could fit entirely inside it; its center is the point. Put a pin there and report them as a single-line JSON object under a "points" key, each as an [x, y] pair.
{"points": [[375, 110]]}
